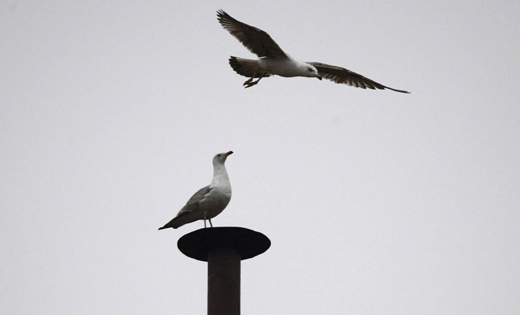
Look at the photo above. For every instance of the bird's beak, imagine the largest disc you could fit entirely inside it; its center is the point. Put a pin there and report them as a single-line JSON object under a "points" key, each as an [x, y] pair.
{"points": [[318, 76], [229, 153]]}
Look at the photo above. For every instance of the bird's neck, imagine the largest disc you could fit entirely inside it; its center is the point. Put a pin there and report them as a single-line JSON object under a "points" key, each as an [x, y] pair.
{"points": [[219, 174]]}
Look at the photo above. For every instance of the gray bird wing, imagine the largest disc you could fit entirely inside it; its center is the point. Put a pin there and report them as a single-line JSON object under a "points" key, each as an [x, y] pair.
{"points": [[193, 203], [254, 39], [345, 76]]}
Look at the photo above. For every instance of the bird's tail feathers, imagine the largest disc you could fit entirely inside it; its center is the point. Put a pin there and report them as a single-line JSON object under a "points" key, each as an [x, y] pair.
{"points": [[164, 227], [174, 223], [245, 67], [178, 221]]}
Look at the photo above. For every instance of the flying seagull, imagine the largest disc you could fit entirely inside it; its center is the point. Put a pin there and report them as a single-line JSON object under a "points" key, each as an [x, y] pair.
{"points": [[209, 201], [274, 61]]}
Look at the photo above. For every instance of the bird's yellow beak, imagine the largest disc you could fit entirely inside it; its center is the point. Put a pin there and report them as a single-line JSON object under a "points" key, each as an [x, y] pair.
{"points": [[318, 76], [229, 153]]}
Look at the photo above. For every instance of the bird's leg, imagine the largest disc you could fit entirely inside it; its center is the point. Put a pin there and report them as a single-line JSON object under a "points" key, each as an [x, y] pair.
{"points": [[205, 219], [248, 82], [210, 222]]}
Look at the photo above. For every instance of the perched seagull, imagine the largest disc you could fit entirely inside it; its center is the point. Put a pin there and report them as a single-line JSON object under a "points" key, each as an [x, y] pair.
{"points": [[209, 201], [274, 61]]}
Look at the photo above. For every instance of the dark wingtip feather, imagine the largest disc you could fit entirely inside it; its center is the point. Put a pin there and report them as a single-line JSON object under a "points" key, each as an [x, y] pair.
{"points": [[222, 16], [221, 13], [400, 91]]}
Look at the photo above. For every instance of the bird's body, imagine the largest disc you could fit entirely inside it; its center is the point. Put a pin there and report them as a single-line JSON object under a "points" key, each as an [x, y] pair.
{"points": [[209, 201], [265, 67], [287, 67], [274, 61]]}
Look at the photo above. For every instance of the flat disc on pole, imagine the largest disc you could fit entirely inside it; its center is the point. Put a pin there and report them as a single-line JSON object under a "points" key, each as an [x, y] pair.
{"points": [[199, 243]]}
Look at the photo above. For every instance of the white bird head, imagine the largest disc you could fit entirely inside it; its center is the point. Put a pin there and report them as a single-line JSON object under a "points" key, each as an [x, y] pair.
{"points": [[221, 157], [312, 72]]}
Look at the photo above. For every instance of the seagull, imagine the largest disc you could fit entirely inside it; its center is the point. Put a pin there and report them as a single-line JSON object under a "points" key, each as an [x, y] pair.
{"points": [[209, 201], [274, 61]]}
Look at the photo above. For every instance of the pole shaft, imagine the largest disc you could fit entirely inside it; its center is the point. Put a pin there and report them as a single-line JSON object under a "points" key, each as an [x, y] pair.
{"points": [[223, 282]]}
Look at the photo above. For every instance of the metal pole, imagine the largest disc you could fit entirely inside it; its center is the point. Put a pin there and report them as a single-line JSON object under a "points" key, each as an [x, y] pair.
{"points": [[223, 282], [223, 248]]}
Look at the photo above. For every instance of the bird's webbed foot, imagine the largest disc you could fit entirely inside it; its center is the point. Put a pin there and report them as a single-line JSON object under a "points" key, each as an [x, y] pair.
{"points": [[250, 82]]}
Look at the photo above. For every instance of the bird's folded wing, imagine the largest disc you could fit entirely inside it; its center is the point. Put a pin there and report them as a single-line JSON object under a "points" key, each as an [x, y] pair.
{"points": [[254, 39], [193, 203], [345, 76]]}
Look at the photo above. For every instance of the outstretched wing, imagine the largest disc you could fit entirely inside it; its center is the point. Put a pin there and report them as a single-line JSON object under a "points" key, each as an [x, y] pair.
{"points": [[345, 76], [254, 39]]}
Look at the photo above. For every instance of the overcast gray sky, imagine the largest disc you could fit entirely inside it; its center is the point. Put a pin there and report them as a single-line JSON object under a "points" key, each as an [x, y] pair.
{"points": [[376, 202]]}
